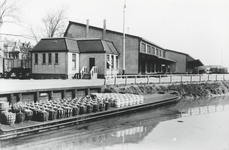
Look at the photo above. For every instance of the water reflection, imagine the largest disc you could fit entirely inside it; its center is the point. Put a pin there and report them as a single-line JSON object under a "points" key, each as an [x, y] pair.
{"points": [[204, 106]]}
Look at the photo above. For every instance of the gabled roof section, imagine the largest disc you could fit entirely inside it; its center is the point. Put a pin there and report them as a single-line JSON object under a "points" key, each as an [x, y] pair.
{"points": [[111, 31], [61, 44]]}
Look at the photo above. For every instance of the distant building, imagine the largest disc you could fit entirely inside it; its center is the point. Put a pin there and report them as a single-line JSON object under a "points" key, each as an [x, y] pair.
{"points": [[14, 49], [184, 62]]}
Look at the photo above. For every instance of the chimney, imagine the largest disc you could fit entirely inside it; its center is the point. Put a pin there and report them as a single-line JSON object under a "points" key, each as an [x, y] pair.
{"points": [[104, 29], [87, 29]]}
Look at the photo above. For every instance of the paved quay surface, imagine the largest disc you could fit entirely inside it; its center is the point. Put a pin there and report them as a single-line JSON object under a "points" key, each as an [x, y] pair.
{"points": [[9, 85]]}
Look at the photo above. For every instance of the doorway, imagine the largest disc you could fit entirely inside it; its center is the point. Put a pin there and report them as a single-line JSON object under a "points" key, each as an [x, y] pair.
{"points": [[91, 63]]}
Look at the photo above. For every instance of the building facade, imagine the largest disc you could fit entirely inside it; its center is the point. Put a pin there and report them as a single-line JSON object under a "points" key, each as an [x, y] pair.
{"points": [[65, 57], [141, 56], [184, 62]]}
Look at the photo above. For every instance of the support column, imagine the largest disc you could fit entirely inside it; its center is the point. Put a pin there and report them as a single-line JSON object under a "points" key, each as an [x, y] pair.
{"points": [[155, 67], [11, 98], [64, 94], [50, 95], [36, 97], [88, 91], [74, 93], [19, 97]]}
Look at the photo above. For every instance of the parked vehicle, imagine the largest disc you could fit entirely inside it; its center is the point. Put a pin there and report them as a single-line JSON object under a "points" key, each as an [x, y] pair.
{"points": [[20, 68]]}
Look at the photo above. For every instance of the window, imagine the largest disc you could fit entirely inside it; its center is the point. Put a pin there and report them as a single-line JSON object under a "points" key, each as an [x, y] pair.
{"points": [[163, 53], [153, 50], [143, 49], [108, 61], [36, 58], [157, 52], [117, 62], [148, 49], [56, 58], [74, 61], [112, 61], [50, 58], [44, 58]]}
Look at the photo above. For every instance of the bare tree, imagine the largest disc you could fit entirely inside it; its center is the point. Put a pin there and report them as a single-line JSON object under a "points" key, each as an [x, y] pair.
{"points": [[9, 11], [54, 23]]}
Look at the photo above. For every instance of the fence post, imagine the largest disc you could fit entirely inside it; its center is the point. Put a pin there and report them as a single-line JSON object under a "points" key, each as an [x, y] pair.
{"points": [[208, 77], [216, 77], [191, 78], [181, 78], [135, 79], [200, 78], [160, 79], [170, 78], [223, 76], [147, 79], [105, 81], [115, 80], [126, 80]]}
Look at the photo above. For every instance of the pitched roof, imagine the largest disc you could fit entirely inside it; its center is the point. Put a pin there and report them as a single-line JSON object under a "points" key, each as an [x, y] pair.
{"points": [[111, 31], [96, 46], [56, 45], [65, 44]]}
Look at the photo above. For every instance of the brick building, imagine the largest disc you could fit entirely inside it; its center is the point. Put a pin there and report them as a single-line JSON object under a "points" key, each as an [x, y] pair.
{"points": [[141, 55]]}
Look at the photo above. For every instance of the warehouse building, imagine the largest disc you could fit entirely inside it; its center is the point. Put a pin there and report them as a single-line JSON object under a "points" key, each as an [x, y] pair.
{"points": [[141, 55]]}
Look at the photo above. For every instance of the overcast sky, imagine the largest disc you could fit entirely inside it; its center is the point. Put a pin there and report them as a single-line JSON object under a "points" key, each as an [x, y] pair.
{"points": [[199, 28]]}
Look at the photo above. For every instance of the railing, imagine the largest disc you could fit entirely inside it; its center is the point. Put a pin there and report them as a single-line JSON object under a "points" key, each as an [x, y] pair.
{"points": [[163, 79], [83, 71], [94, 72]]}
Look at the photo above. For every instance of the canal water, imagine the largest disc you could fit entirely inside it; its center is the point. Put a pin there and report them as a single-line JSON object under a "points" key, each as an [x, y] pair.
{"points": [[188, 125]]}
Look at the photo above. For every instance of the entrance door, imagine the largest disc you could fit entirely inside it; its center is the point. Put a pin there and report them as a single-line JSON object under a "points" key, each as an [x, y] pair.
{"points": [[91, 63]]}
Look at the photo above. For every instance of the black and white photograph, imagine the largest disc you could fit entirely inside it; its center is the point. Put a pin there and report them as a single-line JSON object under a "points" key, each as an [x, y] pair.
{"points": [[114, 74]]}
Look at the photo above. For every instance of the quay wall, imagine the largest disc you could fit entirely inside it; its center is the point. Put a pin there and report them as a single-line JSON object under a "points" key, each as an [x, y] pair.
{"points": [[48, 94], [190, 90]]}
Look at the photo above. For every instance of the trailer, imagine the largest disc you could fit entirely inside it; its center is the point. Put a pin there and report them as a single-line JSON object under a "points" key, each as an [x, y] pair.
{"points": [[15, 68]]}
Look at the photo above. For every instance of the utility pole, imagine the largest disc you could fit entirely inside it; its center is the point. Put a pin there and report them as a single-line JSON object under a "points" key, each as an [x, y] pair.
{"points": [[124, 40]]}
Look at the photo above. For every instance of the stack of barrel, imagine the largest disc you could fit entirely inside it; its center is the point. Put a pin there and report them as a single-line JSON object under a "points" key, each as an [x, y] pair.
{"points": [[121, 100], [6, 117], [52, 109]]}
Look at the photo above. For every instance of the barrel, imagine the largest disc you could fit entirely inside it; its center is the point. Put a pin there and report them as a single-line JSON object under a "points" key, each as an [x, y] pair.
{"points": [[83, 109], [89, 108], [75, 110], [107, 105], [95, 107]]}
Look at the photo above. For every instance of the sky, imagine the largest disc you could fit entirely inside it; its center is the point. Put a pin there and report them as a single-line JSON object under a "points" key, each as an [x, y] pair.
{"points": [[199, 28]]}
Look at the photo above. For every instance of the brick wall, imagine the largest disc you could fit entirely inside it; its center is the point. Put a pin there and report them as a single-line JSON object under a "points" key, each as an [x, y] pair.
{"points": [[180, 65], [132, 44]]}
